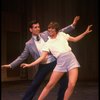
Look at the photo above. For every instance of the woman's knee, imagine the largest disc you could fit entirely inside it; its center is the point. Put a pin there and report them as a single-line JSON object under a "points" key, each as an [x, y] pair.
{"points": [[71, 85], [50, 85]]}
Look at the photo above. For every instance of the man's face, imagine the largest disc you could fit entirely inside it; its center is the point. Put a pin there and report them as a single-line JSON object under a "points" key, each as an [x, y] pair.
{"points": [[35, 30]]}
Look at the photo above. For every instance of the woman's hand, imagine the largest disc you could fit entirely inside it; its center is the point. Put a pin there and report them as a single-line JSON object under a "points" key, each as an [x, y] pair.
{"points": [[88, 30], [24, 65]]}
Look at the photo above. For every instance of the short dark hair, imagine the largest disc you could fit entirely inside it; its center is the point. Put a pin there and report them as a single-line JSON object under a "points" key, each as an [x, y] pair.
{"points": [[31, 23], [54, 25]]}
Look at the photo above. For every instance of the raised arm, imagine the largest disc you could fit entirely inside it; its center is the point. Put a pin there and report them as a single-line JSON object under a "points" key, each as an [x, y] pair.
{"points": [[75, 21], [71, 27], [41, 58], [67, 29], [79, 37]]}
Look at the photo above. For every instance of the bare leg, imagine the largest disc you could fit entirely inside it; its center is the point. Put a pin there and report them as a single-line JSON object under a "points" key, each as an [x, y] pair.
{"points": [[72, 75], [52, 82]]}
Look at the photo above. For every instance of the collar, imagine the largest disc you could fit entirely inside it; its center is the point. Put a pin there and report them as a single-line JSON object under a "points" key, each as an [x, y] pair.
{"points": [[34, 37]]}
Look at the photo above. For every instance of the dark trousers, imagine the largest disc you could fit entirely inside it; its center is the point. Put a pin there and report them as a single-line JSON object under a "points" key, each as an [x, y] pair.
{"points": [[43, 71]]}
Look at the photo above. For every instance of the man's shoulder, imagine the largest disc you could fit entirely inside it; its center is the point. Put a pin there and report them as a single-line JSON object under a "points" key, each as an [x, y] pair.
{"points": [[29, 41], [45, 33]]}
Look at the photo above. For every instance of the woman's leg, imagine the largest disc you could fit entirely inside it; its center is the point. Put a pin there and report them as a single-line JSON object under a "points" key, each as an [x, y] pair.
{"points": [[72, 75], [53, 80], [63, 84]]}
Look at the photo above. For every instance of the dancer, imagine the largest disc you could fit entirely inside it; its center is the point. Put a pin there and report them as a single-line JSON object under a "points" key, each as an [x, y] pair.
{"points": [[66, 60], [33, 48]]}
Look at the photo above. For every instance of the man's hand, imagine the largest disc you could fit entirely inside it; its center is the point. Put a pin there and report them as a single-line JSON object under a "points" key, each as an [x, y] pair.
{"points": [[75, 21], [6, 66]]}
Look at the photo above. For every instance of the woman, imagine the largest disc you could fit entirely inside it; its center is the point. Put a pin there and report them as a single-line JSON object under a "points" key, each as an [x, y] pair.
{"points": [[66, 60]]}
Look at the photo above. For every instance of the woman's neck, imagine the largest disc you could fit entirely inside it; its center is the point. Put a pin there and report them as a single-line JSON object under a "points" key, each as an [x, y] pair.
{"points": [[53, 36]]}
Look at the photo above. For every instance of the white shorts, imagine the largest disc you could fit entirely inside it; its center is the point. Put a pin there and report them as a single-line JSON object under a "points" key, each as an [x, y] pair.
{"points": [[66, 62]]}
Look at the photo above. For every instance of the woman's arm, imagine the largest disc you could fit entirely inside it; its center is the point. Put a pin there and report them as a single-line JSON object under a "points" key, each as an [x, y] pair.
{"points": [[41, 58], [79, 37]]}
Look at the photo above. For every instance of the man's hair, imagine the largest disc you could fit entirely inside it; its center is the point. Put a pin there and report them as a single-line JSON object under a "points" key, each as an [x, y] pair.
{"points": [[54, 25], [31, 23]]}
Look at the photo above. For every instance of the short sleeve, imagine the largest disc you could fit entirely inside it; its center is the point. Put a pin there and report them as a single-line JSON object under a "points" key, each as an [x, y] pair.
{"points": [[66, 36], [46, 47]]}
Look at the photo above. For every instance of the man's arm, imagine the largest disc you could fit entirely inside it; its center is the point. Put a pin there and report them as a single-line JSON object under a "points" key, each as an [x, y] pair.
{"points": [[71, 27], [18, 60], [67, 29]]}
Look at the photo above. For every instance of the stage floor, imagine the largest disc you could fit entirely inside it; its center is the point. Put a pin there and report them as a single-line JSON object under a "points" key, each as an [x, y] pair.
{"points": [[15, 91]]}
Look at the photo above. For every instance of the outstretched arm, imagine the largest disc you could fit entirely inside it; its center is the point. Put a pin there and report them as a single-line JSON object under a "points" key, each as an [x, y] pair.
{"points": [[18, 60], [75, 21], [41, 58], [71, 27], [6, 66], [79, 37], [68, 29]]}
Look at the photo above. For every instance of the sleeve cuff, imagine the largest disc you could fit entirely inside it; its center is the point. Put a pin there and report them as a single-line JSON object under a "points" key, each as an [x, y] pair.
{"points": [[10, 65], [72, 26]]}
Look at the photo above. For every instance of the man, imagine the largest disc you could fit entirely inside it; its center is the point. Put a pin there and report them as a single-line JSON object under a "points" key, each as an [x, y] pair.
{"points": [[34, 48]]}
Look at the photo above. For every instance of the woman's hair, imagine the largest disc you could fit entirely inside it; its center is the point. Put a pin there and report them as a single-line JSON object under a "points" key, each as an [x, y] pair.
{"points": [[54, 25]]}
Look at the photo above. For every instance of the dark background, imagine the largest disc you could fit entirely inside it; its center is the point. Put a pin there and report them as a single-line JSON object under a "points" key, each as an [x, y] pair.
{"points": [[15, 15]]}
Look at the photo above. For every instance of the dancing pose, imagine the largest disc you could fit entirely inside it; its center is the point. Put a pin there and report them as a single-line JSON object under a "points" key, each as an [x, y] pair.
{"points": [[58, 46], [33, 48]]}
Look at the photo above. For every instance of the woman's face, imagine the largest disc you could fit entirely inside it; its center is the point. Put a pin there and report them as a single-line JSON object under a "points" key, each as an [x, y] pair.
{"points": [[52, 32]]}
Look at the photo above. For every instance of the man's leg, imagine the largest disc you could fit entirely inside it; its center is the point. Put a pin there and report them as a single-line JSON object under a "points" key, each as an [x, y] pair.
{"points": [[43, 70], [63, 86]]}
